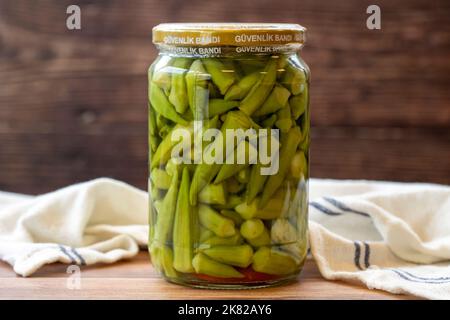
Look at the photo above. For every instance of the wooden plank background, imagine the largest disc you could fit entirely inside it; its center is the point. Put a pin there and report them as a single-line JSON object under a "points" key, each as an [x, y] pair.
{"points": [[73, 103]]}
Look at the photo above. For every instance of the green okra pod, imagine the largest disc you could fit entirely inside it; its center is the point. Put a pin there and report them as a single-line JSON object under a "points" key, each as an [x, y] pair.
{"points": [[293, 79], [162, 259], [211, 219], [153, 249], [153, 142], [166, 254], [232, 201], [284, 120], [196, 226], [285, 234], [205, 173], [213, 194], [156, 194], [153, 139], [163, 106], [256, 183], [255, 233], [252, 228], [276, 100], [223, 117], [152, 128], [299, 165], [257, 179], [271, 210], [251, 65], [178, 93], [233, 215], [183, 232], [172, 166], [239, 90], [235, 239], [213, 91], [220, 74], [282, 62], [283, 231], [244, 175], [272, 261], [244, 154], [197, 89], [259, 92], [305, 122], [163, 153], [295, 204], [270, 121], [298, 103], [188, 116], [239, 256], [163, 80], [152, 213], [219, 106], [158, 205], [289, 143], [204, 265], [205, 234], [161, 122], [164, 223], [160, 179], [212, 123], [233, 185], [164, 131], [160, 74]]}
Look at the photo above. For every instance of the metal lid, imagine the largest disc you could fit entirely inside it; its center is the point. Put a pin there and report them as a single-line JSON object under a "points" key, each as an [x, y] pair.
{"points": [[228, 34]]}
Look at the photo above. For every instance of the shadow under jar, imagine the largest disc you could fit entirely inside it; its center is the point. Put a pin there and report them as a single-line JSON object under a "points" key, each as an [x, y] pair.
{"points": [[228, 154]]}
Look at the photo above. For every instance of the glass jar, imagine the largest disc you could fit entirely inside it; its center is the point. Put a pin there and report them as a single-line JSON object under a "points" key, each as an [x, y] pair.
{"points": [[229, 154]]}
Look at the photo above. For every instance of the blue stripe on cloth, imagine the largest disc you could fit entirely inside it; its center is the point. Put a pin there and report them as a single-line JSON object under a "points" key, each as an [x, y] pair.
{"points": [[413, 278], [344, 207], [78, 255], [323, 209], [366, 255], [72, 258], [357, 255]]}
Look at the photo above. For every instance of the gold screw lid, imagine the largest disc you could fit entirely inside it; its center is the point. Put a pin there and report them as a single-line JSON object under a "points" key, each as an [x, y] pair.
{"points": [[228, 34]]}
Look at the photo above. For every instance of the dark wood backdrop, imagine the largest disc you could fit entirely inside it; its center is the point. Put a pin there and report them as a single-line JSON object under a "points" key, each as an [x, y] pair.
{"points": [[73, 103]]}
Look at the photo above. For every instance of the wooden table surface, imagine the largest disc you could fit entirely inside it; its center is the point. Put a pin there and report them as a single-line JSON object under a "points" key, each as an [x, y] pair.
{"points": [[136, 279]]}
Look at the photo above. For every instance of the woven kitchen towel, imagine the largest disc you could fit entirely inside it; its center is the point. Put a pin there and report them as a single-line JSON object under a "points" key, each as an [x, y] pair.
{"points": [[97, 221], [389, 236]]}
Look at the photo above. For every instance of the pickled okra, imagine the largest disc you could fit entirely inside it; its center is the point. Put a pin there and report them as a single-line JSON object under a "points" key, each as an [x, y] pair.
{"points": [[178, 92], [205, 265], [197, 89], [162, 105], [205, 173], [213, 194], [259, 92], [255, 233], [214, 221], [272, 261], [223, 80], [228, 222], [219, 241], [183, 235], [239, 256]]}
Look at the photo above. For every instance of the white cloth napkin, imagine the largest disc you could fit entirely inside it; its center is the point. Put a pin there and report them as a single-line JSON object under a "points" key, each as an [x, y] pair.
{"points": [[100, 221], [389, 236]]}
